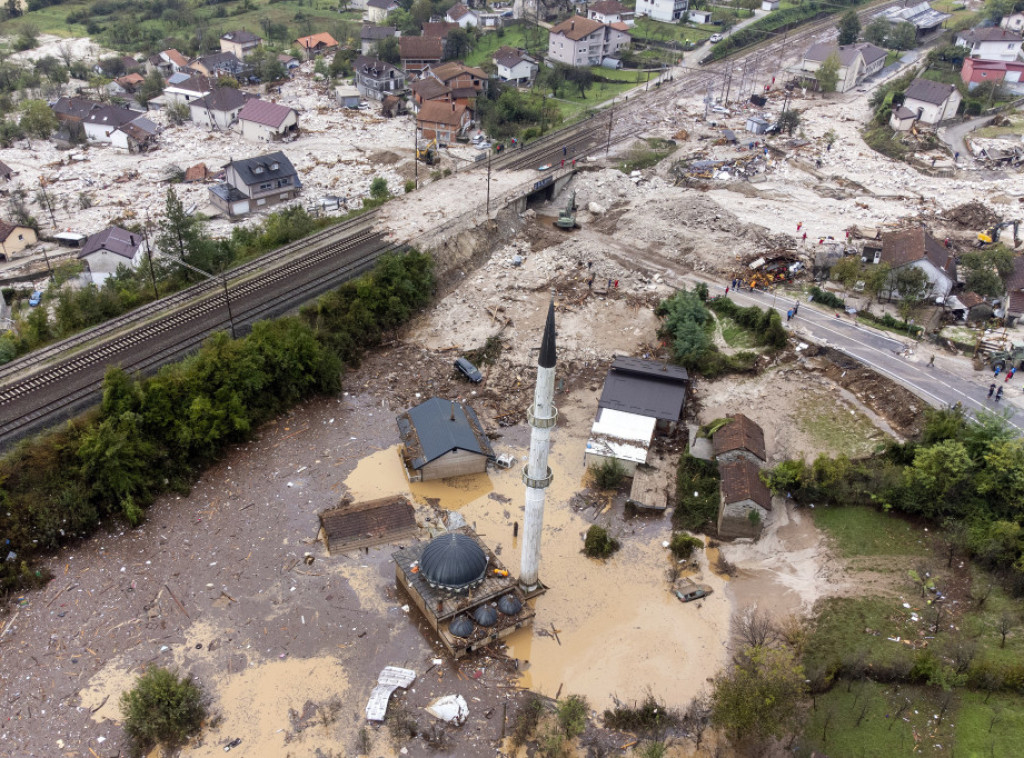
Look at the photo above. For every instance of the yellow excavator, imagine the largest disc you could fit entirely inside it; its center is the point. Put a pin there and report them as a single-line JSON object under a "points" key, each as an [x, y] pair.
{"points": [[992, 235], [427, 154]]}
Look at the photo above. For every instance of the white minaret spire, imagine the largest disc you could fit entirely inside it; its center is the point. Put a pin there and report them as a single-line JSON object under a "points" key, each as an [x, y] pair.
{"points": [[536, 474]]}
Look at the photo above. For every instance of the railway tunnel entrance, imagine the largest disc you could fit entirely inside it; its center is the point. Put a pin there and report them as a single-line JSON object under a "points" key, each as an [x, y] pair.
{"points": [[544, 190]]}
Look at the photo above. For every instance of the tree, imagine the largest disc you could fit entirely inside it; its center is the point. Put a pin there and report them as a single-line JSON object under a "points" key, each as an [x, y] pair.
{"points": [[828, 73], [582, 77], [789, 121], [161, 709], [181, 235], [758, 699], [849, 28], [37, 120], [986, 271], [457, 44], [178, 113], [911, 284], [150, 88], [903, 36], [265, 65], [997, 9], [877, 32], [938, 478], [847, 271], [387, 50], [379, 188], [553, 78]]}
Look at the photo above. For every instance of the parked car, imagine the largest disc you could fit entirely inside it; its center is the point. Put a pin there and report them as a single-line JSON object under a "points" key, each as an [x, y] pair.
{"points": [[35, 299], [715, 38], [468, 370]]}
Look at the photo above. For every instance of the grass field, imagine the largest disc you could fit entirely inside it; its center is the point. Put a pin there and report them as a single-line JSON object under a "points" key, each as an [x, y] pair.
{"points": [[735, 335], [864, 531], [838, 430], [525, 36], [647, 28]]}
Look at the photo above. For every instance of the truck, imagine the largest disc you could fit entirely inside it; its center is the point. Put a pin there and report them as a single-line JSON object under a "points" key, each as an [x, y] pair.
{"points": [[1004, 359]]}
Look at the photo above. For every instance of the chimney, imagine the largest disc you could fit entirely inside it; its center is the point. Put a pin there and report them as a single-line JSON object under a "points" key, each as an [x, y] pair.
{"points": [[131, 239], [453, 106], [453, 410], [572, 25]]}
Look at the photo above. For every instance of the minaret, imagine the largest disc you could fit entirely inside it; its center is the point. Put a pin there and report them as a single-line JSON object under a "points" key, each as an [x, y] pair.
{"points": [[536, 474]]}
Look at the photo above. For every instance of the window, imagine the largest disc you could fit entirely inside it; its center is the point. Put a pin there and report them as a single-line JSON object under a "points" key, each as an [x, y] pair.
{"points": [[266, 185], [285, 181]]}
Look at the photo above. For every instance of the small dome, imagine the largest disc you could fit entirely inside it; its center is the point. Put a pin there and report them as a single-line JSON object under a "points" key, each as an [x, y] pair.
{"points": [[453, 562], [509, 605], [485, 615], [461, 626]]}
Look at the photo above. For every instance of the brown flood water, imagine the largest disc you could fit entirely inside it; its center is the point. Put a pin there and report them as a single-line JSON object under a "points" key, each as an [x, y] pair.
{"points": [[620, 632]]}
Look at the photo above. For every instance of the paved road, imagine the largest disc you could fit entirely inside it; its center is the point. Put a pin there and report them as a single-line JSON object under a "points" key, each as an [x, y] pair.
{"points": [[939, 385], [953, 135]]}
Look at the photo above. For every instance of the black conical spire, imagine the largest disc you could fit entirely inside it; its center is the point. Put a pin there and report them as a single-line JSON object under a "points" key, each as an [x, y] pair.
{"points": [[547, 345]]}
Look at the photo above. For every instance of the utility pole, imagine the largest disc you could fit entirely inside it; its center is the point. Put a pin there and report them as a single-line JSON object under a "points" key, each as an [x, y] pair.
{"points": [[149, 255], [416, 153], [608, 147], [224, 282], [488, 182]]}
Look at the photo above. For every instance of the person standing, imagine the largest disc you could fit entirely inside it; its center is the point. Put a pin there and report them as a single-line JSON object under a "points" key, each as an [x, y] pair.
{"points": [[931, 361], [1010, 373], [999, 394], [991, 389], [805, 236], [789, 315], [996, 374], [796, 308]]}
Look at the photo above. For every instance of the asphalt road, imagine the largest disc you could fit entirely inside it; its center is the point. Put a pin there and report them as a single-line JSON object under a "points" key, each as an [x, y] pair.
{"points": [[887, 354]]}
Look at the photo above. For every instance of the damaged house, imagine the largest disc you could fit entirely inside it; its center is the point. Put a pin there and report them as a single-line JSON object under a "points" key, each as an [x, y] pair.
{"points": [[443, 438]]}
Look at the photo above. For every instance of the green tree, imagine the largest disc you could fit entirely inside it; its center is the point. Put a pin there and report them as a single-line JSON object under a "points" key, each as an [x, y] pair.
{"points": [[37, 120], [847, 271], [582, 78], [150, 88], [759, 698], [379, 188], [161, 709], [387, 50], [1002, 478], [903, 36], [789, 121], [182, 236], [265, 65], [553, 78], [877, 32], [849, 28], [938, 478], [458, 44], [828, 73], [998, 9], [912, 285]]}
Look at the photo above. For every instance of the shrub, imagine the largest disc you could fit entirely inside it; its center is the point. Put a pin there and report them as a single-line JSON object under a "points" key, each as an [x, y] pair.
{"points": [[696, 494], [410, 186], [599, 544], [572, 714], [682, 545], [608, 474], [526, 720], [826, 298], [650, 717], [162, 709]]}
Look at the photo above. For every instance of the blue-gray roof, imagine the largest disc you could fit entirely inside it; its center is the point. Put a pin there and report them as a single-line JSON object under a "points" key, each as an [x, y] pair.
{"points": [[437, 427], [263, 168]]}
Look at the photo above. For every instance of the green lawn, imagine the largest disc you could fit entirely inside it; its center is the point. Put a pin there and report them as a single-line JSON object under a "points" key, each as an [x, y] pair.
{"points": [[838, 430], [647, 28], [735, 335], [865, 531], [518, 35]]}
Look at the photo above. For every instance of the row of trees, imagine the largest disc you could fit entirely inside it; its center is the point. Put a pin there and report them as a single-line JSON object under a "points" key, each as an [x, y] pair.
{"points": [[153, 435]]}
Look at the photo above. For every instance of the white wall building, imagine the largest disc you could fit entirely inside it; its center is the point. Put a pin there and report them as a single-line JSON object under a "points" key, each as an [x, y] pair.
{"points": [[991, 43], [669, 11], [579, 41]]}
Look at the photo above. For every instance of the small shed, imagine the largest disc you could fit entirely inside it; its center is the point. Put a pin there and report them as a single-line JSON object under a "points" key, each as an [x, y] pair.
{"points": [[729, 136], [756, 125], [70, 239], [699, 17], [347, 96], [745, 501], [769, 5], [351, 526], [624, 437], [741, 438], [443, 438]]}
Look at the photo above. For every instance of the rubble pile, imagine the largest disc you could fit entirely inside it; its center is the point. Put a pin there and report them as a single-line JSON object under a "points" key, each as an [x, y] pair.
{"points": [[973, 215]]}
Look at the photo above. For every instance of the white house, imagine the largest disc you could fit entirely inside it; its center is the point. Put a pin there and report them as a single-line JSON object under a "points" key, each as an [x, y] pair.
{"points": [[932, 102], [461, 15], [770, 5], [579, 41], [104, 252], [1014, 22], [669, 11], [218, 110], [856, 62], [991, 43], [137, 136], [611, 12], [100, 123], [262, 121], [184, 88], [255, 184], [515, 66], [919, 249], [378, 10]]}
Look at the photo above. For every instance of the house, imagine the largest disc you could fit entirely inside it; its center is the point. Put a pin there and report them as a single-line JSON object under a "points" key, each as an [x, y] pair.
{"points": [[174, 60], [427, 89], [370, 35], [418, 53], [290, 62], [639, 398], [437, 29], [14, 239], [392, 106], [463, 16], [137, 136], [264, 121], [442, 121], [1014, 22], [441, 439], [670, 11], [101, 122], [376, 79], [924, 18], [239, 43], [347, 96], [219, 109], [464, 81], [770, 5], [184, 88], [744, 500], [255, 183], [976, 71], [856, 62], [610, 12], [317, 44], [197, 173], [515, 66], [105, 252], [579, 41], [378, 10], [216, 65], [353, 526], [126, 84], [5, 172], [932, 102], [740, 438], [991, 43], [916, 247]]}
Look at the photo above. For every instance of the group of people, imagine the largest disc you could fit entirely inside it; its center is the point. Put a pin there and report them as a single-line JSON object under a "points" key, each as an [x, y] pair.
{"points": [[992, 387]]}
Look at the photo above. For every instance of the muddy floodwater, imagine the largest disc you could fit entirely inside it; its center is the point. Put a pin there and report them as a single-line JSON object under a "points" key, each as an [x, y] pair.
{"points": [[604, 629]]}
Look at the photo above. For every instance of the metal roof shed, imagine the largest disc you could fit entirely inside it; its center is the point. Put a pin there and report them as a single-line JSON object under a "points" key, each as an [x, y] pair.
{"points": [[625, 437], [443, 438], [646, 388]]}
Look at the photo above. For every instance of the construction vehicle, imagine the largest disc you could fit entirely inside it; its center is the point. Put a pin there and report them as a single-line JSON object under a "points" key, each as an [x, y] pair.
{"points": [[428, 154], [1004, 359], [567, 216], [992, 235]]}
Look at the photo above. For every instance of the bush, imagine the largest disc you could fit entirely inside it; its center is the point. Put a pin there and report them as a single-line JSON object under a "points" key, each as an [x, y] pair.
{"points": [[827, 298], [648, 718], [682, 545], [599, 544], [162, 709], [608, 475], [572, 715], [696, 494], [526, 720], [410, 186]]}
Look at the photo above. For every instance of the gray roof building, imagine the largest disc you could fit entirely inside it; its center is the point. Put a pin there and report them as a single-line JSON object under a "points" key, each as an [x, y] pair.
{"points": [[928, 91], [655, 389], [114, 240], [437, 427], [262, 169], [223, 99]]}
